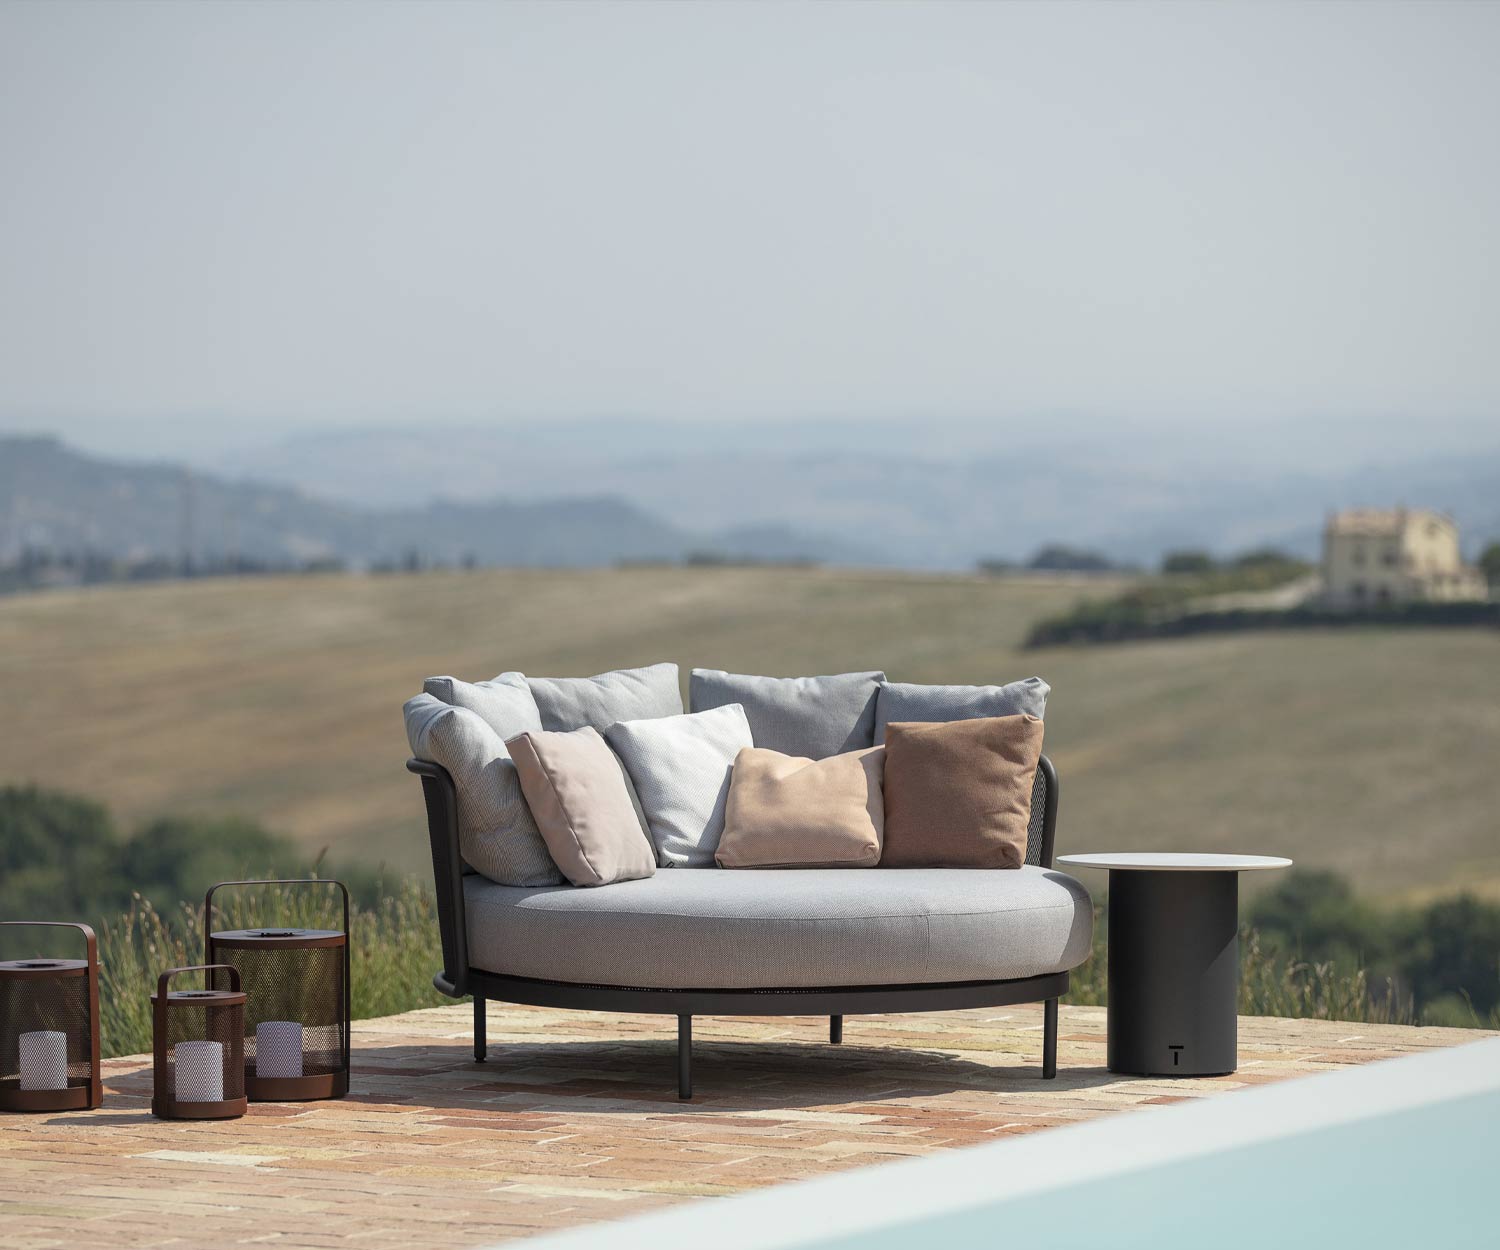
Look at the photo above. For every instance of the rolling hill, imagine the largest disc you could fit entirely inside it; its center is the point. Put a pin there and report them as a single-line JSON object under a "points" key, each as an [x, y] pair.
{"points": [[56, 498], [1367, 751], [929, 492]]}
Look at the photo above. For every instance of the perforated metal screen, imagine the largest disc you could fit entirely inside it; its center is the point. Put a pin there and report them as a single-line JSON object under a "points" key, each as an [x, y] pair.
{"points": [[209, 1022], [45, 1004], [1035, 829], [301, 984]]}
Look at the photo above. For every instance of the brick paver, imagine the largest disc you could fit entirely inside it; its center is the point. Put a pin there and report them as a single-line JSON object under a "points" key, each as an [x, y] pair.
{"points": [[575, 1119]]}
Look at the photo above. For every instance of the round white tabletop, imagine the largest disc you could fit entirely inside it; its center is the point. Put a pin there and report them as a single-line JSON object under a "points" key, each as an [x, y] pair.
{"points": [[1175, 861]]}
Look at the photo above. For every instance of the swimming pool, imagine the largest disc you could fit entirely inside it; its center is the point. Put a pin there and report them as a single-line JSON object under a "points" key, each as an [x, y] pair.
{"points": [[1404, 1153]]}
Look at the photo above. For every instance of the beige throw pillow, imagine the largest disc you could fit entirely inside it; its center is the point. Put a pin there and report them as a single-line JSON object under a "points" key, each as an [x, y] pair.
{"points": [[576, 792], [785, 811], [958, 795]]}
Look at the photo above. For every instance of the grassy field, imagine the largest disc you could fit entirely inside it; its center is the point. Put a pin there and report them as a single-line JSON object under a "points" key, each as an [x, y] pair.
{"points": [[1372, 752]]}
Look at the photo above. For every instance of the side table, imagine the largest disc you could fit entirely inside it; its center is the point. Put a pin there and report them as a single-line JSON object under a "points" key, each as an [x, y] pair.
{"points": [[1174, 973]]}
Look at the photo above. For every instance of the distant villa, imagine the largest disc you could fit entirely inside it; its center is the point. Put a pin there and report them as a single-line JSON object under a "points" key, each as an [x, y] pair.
{"points": [[1395, 555]]}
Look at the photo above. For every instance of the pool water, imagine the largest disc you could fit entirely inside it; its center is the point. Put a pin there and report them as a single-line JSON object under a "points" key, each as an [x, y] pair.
{"points": [[1421, 1177]]}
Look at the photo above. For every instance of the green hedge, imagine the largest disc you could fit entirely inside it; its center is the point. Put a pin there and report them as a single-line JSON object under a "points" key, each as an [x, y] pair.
{"points": [[1312, 947], [1127, 619]]}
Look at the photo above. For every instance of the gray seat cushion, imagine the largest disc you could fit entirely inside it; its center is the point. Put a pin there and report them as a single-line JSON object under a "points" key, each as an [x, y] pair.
{"points": [[785, 928]]}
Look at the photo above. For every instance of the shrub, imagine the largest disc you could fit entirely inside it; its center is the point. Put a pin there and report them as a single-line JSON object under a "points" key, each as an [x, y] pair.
{"points": [[1266, 557], [62, 856], [1270, 985], [1193, 563], [1151, 612], [1489, 562], [57, 855], [1055, 557]]}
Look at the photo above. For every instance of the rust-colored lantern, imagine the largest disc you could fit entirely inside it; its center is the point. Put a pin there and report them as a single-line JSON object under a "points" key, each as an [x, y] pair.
{"points": [[49, 1029], [297, 1023], [199, 1047]]}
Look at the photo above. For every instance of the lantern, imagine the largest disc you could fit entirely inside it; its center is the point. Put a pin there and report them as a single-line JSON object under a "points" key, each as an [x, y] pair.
{"points": [[49, 1029], [297, 1022], [199, 1048]]}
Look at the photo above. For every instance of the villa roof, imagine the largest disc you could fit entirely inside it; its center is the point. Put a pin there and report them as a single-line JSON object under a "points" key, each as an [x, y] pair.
{"points": [[1380, 522]]}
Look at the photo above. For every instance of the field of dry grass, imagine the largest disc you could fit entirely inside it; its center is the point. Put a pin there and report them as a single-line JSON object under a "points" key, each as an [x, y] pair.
{"points": [[1369, 751]]}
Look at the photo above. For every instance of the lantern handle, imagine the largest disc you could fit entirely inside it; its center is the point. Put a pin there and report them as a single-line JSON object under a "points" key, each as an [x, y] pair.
{"points": [[91, 941], [208, 899], [234, 977]]}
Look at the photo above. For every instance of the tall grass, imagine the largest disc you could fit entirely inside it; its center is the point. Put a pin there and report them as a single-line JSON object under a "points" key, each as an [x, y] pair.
{"points": [[394, 951], [1271, 985]]}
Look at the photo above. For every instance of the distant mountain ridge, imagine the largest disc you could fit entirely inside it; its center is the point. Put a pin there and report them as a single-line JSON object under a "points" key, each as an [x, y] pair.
{"points": [[921, 494], [56, 498], [590, 493]]}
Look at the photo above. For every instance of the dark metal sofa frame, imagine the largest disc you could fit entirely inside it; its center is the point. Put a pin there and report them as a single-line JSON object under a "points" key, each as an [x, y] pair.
{"points": [[458, 978]]}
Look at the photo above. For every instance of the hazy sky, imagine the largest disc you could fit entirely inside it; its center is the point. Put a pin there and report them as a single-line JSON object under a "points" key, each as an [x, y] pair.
{"points": [[278, 216]]}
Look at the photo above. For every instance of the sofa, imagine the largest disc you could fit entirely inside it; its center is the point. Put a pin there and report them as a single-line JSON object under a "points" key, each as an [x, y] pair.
{"points": [[686, 941]]}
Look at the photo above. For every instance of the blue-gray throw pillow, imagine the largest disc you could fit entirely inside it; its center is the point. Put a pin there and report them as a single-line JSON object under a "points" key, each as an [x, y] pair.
{"points": [[813, 717], [907, 701]]}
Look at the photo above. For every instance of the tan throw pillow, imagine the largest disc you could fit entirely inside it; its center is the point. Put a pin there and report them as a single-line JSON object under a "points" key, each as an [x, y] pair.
{"points": [[958, 794], [576, 792], [788, 812]]}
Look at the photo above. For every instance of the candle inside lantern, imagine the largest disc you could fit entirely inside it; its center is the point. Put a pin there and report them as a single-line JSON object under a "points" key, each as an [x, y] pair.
{"points": [[278, 1049], [44, 1060], [200, 1071]]}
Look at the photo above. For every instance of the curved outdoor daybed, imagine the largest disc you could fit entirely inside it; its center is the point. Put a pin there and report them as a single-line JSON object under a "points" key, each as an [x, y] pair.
{"points": [[783, 942]]}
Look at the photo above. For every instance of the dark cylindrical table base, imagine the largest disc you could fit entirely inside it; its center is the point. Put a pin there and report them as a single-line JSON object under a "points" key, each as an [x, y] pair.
{"points": [[1173, 972]]}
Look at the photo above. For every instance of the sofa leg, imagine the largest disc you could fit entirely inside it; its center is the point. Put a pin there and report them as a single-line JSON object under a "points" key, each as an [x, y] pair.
{"points": [[1049, 1039], [481, 1042], [684, 1057], [835, 1030]]}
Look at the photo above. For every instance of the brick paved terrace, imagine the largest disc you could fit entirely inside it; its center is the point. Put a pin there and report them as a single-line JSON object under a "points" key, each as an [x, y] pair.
{"points": [[575, 1119]]}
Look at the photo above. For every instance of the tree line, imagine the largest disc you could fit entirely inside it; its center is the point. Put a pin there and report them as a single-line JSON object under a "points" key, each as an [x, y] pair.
{"points": [[63, 857]]}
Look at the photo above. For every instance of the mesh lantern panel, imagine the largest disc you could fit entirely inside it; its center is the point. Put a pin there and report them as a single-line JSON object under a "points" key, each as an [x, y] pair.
{"points": [[45, 1004], [295, 983], [209, 1021]]}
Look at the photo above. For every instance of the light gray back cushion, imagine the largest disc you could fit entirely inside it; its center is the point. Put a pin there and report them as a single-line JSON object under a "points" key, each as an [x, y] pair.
{"points": [[496, 833], [904, 701], [813, 717], [568, 703], [505, 703], [680, 766]]}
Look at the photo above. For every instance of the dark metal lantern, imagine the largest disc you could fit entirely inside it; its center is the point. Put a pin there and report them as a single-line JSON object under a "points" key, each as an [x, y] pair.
{"points": [[297, 1022], [198, 1047], [49, 1029]]}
